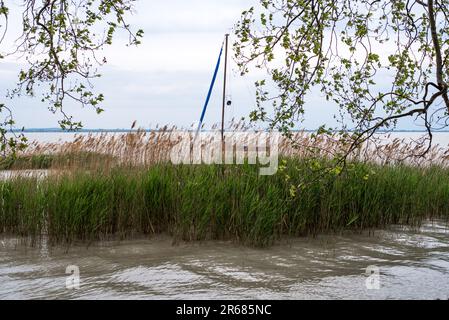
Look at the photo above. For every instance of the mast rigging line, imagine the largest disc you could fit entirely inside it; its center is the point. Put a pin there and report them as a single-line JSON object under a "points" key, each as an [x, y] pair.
{"points": [[214, 78]]}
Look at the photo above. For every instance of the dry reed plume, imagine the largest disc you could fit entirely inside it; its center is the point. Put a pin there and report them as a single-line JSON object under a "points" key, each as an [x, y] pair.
{"points": [[142, 148]]}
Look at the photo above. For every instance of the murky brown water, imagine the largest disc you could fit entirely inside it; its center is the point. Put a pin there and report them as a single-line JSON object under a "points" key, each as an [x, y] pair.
{"points": [[412, 265]]}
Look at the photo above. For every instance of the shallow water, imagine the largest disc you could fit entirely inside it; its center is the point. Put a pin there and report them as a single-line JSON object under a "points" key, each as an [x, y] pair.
{"points": [[412, 265]]}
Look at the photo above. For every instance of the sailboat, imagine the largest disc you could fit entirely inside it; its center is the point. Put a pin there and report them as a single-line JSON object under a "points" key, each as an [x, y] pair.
{"points": [[224, 47]]}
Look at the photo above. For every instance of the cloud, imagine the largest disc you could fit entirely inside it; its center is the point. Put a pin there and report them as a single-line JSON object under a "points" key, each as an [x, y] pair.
{"points": [[168, 53], [197, 16], [165, 80]]}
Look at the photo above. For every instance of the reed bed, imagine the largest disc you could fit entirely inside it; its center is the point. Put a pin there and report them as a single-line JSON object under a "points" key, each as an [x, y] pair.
{"points": [[142, 148], [215, 202], [124, 185]]}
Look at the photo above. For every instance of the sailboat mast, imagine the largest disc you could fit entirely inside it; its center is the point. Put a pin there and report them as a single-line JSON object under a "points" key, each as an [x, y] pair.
{"points": [[224, 87]]}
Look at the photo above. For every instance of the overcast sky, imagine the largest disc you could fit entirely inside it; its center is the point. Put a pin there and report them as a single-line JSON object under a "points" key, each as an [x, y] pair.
{"points": [[165, 80]]}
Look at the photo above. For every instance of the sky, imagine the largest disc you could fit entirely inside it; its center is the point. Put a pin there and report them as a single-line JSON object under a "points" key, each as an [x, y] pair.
{"points": [[165, 80]]}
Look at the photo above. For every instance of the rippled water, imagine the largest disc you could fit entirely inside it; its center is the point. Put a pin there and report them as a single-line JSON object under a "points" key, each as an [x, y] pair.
{"points": [[412, 264]]}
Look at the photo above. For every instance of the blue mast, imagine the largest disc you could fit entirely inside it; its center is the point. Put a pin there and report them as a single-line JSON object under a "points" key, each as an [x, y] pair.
{"points": [[210, 91]]}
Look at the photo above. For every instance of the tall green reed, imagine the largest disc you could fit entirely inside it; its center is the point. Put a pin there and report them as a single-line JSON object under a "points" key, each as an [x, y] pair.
{"points": [[219, 202]]}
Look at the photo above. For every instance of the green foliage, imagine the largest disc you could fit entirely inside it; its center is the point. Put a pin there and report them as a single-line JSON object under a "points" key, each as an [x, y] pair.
{"points": [[62, 42], [215, 202], [346, 49]]}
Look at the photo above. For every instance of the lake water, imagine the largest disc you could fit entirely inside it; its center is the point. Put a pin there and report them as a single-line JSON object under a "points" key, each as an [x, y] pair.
{"points": [[405, 264]]}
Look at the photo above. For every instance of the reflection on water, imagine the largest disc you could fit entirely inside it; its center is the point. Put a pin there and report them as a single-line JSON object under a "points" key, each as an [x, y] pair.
{"points": [[413, 264]]}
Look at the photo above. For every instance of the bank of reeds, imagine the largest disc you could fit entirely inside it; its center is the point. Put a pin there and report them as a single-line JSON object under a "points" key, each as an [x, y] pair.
{"points": [[141, 148], [219, 202], [120, 185], [59, 160]]}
